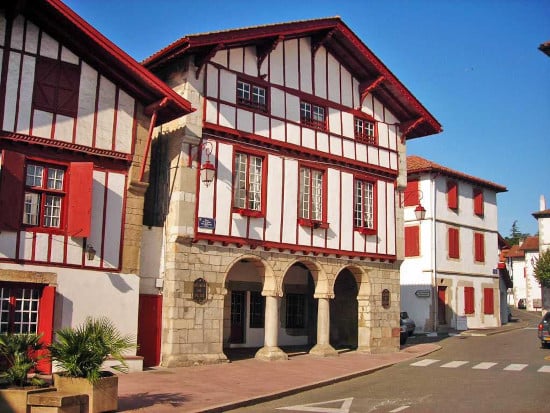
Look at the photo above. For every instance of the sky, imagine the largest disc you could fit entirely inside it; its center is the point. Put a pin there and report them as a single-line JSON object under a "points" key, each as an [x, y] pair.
{"points": [[474, 65]]}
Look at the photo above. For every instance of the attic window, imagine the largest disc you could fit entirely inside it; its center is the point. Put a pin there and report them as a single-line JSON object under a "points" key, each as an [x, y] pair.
{"points": [[251, 95]]}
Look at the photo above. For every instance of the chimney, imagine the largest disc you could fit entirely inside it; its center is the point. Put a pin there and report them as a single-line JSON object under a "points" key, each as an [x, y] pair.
{"points": [[542, 203]]}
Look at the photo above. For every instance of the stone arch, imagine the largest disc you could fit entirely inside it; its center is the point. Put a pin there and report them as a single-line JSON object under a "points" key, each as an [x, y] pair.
{"points": [[361, 278], [318, 273], [264, 269]]}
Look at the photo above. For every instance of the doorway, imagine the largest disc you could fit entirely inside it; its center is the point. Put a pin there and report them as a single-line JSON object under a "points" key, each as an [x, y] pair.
{"points": [[441, 305], [238, 306]]}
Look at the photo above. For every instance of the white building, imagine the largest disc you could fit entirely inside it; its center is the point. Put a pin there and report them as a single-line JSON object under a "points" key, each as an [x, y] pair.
{"points": [[543, 218], [450, 277]]}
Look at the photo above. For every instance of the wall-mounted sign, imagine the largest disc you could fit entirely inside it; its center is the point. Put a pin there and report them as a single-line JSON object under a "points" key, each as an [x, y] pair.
{"points": [[422, 293], [199, 290], [386, 299], [207, 223]]}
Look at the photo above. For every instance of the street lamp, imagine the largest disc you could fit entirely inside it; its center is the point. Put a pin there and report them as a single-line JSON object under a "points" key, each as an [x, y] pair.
{"points": [[207, 169], [419, 211]]}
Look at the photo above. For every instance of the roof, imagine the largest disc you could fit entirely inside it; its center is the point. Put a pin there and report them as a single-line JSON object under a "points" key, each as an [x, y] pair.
{"points": [[515, 252], [330, 32], [541, 214], [545, 48], [530, 244], [417, 165], [74, 32]]}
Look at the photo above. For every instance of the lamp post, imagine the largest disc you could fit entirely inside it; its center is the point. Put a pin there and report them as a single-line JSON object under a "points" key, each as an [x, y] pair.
{"points": [[207, 168], [419, 211]]}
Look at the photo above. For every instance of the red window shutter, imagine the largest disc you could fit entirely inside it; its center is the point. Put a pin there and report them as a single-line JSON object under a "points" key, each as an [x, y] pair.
{"points": [[452, 194], [488, 301], [454, 243], [46, 79], [12, 188], [45, 324], [412, 241], [479, 246], [469, 300], [478, 202], [411, 194], [67, 94], [79, 199]]}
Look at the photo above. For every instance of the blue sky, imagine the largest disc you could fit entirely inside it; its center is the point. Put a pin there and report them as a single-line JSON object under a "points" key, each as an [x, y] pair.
{"points": [[474, 64]]}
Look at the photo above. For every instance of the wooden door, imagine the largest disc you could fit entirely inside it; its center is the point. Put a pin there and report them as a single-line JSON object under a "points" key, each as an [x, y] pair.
{"points": [[149, 329], [441, 305], [238, 299]]}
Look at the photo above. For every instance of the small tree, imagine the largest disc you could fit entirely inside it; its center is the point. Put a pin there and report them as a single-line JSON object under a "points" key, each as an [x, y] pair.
{"points": [[542, 269], [515, 235]]}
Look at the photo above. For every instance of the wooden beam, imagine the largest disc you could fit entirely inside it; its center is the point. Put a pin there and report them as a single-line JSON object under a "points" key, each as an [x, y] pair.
{"points": [[366, 87], [408, 126], [263, 50], [316, 43], [201, 60]]}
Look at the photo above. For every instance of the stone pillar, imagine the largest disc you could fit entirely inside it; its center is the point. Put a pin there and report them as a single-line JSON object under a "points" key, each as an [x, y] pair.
{"points": [[270, 351], [364, 326], [323, 347]]}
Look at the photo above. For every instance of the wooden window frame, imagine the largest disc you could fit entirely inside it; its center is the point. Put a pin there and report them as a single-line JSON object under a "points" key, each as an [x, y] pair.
{"points": [[478, 199], [309, 115], [250, 102], [412, 241], [364, 224], [453, 242], [452, 195], [479, 247], [488, 301], [257, 310], [361, 133], [309, 221], [295, 316], [56, 86], [246, 209], [469, 300]]}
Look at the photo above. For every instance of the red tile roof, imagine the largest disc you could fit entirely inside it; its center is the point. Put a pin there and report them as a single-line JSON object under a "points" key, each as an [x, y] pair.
{"points": [[530, 244], [541, 214], [515, 252], [417, 164]]}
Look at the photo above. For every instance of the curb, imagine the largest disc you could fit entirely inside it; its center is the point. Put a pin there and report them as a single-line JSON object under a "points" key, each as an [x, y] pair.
{"points": [[276, 395], [481, 333]]}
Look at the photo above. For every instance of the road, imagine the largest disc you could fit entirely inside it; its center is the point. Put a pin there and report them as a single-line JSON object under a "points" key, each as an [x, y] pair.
{"points": [[506, 372]]}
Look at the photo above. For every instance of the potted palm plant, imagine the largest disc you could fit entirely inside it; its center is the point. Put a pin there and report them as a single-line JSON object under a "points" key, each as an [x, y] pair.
{"points": [[19, 372], [80, 353]]}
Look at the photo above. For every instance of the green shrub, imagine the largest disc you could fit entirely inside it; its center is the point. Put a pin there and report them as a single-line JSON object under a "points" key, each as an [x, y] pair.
{"points": [[21, 353]]}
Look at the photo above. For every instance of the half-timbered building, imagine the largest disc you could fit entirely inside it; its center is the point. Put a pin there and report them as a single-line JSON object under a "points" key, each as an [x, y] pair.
{"points": [[76, 117], [296, 239]]}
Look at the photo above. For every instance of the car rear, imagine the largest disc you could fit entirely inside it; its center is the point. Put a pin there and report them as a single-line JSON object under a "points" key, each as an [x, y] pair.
{"points": [[544, 330]]}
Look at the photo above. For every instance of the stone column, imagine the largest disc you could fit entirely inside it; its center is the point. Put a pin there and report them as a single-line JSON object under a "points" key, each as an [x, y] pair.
{"points": [[270, 351], [364, 333], [323, 347]]}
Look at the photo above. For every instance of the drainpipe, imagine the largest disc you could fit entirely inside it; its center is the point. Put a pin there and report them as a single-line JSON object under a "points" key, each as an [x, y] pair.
{"points": [[154, 108], [434, 253]]}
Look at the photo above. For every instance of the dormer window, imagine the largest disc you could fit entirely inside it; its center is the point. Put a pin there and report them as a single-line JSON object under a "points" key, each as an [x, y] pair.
{"points": [[313, 116], [365, 131], [251, 95]]}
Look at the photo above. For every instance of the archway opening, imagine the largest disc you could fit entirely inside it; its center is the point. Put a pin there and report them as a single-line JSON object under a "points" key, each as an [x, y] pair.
{"points": [[344, 312]]}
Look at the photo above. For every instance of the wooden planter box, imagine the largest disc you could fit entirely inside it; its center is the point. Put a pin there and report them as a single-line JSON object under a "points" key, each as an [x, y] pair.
{"points": [[14, 400], [103, 395]]}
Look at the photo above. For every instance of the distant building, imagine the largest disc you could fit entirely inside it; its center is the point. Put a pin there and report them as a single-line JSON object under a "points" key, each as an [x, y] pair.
{"points": [[450, 277], [543, 218]]}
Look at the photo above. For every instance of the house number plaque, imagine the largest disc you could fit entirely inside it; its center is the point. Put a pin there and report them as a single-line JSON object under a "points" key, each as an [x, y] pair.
{"points": [[199, 290]]}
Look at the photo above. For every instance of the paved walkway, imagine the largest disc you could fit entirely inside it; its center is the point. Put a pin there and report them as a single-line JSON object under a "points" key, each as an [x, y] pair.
{"points": [[220, 387]]}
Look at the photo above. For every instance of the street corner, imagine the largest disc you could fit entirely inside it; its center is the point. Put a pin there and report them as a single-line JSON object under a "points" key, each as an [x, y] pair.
{"points": [[420, 350]]}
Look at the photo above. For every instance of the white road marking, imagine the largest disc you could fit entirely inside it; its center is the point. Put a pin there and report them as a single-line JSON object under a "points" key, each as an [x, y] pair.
{"points": [[544, 369], [424, 363], [399, 409], [316, 407], [484, 366], [515, 367], [454, 364]]}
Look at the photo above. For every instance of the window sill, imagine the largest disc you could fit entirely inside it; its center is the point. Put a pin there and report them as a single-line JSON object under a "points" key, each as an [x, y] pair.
{"points": [[365, 231], [248, 212], [312, 223]]}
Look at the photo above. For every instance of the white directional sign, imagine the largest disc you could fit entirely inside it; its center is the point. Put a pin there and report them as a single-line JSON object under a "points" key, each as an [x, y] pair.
{"points": [[340, 406]]}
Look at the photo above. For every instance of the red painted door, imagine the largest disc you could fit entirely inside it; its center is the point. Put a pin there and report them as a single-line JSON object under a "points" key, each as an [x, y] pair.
{"points": [[441, 306], [149, 329]]}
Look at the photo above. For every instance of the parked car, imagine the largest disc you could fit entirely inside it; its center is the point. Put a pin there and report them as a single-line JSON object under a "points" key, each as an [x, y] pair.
{"points": [[404, 334], [522, 304], [544, 330], [408, 323]]}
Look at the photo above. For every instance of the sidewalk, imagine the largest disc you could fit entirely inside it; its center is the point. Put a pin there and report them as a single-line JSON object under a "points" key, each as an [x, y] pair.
{"points": [[220, 387]]}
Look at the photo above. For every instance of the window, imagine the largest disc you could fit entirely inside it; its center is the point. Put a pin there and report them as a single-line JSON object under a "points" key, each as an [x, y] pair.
{"points": [[412, 194], [19, 310], [295, 311], [469, 300], [454, 243], [364, 216], [251, 95], [257, 305], [478, 202], [247, 184], [452, 195], [412, 241], [479, 247], [313, 116], [44, 196], [365, 131], [56, 86], [311, 211], [40, 196], [488, 301]]}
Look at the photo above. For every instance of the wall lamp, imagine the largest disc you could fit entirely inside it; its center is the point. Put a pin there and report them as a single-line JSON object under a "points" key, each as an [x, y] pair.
{"points": [[207, 169], [90, 252], [419, 211]]}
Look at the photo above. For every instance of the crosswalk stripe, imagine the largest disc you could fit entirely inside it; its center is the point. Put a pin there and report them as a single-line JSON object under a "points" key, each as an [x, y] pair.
{"points": [[544, 369], [484, 366], [515, 367], [424, 363], [454, 364]]}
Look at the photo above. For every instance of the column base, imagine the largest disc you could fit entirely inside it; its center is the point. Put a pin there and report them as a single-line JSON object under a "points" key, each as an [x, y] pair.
{"points": [[323, 350], [271, 354]]}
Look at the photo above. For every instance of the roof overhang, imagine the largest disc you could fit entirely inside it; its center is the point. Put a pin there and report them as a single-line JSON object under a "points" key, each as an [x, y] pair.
{"points": [[72, 31], [332, 33]]}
